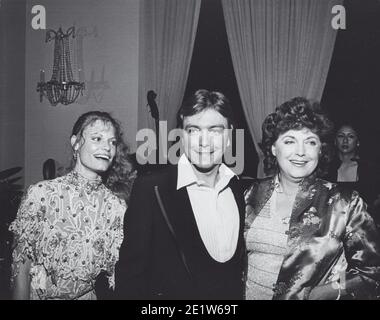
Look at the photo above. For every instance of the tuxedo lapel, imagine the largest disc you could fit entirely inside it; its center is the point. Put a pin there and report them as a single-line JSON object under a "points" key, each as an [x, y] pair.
{"points": [[179, 216], [177, 211], [239, 198], [238, 193]]}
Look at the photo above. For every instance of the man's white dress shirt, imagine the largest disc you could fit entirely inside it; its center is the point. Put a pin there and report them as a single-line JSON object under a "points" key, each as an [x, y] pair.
{"points": [[215, 209]]}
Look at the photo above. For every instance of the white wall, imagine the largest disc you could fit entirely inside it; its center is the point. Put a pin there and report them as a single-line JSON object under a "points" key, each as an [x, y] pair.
{"points": [[12, 83], [114, 48]]}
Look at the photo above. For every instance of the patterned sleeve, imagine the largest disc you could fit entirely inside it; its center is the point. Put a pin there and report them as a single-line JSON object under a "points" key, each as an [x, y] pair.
{"points": [[362, 250], [117, 236], [26, 228]]}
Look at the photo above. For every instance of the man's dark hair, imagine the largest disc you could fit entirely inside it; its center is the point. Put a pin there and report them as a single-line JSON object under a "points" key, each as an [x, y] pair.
{"points": [[202, 100]]}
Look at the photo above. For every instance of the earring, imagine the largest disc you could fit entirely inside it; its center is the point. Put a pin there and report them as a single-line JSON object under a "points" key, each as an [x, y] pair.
{"points": [[75, 155]]}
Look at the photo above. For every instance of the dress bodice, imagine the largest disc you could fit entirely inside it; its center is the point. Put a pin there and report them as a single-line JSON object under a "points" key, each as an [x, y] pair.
{"points": [[71, 229]]}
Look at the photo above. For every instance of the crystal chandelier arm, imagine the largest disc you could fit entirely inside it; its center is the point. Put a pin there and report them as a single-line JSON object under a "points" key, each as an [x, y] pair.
{"points": [[50, 35], [70, 31]]}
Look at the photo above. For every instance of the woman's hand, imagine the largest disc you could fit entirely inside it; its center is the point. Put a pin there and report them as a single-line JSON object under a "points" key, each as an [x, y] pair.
{"points": [[326, 292], [21, 286]]}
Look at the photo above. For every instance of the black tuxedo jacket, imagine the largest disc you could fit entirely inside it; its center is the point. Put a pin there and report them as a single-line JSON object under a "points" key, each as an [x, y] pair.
{"points": [[163, 255]]}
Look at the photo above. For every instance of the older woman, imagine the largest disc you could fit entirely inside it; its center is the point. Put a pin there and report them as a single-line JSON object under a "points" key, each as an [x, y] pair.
{"points": [[306, 237], [68, 230]]}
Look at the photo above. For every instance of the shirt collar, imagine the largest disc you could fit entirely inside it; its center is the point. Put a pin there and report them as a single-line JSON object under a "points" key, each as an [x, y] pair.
{"points": [[187, 177]]}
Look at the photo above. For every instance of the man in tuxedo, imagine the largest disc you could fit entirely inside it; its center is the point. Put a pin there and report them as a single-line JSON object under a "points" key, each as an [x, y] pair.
{"points": [[183, 230]]}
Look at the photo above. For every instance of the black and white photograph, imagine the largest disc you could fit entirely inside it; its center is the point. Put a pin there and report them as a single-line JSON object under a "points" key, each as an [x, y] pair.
{"points": [[188, 155]]}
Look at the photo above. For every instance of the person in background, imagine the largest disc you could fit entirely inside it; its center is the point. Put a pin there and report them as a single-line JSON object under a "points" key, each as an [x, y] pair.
{"points": [[349, 168], [306, 238], [184, 224], [68, 230]]}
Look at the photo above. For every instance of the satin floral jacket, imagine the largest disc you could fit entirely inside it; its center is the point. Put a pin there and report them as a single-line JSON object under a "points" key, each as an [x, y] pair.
{"points": [[331, 238]]}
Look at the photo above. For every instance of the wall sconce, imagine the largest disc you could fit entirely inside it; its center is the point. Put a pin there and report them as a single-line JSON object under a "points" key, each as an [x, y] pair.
{"points": [[62, 88]]}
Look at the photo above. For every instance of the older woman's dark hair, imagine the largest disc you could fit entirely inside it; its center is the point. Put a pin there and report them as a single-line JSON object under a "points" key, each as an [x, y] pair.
{"points": [[119, 177], [296, 114], [202, 100]]}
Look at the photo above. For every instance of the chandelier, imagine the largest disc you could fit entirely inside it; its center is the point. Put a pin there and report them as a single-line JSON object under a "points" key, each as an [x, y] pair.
{"points": [[62, 88]]}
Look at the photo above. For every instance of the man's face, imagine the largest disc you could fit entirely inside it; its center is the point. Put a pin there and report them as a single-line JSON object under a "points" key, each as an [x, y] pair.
{"points": [[205, 139]]}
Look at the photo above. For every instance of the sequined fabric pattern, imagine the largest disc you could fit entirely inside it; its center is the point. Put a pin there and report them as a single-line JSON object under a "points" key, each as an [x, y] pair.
{"points": [[71, 229]]}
